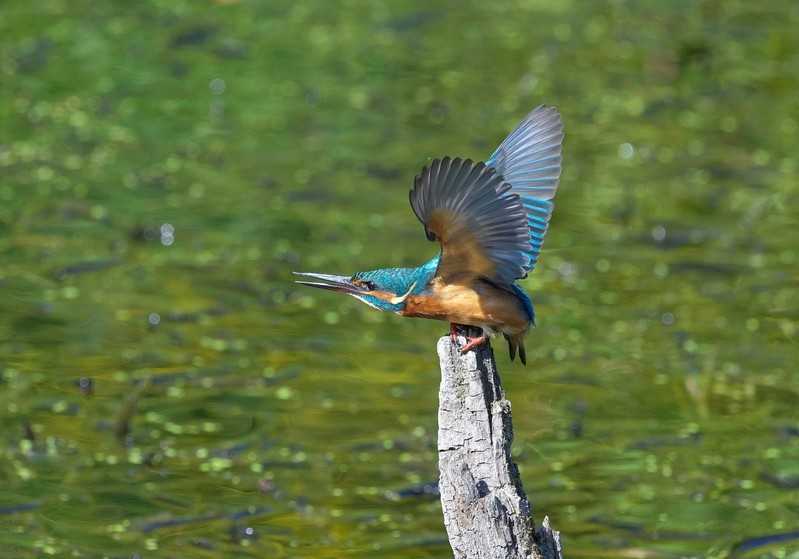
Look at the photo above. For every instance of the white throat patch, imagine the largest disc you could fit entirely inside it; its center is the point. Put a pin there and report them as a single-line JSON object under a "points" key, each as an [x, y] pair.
{"points": [[401, 299]]}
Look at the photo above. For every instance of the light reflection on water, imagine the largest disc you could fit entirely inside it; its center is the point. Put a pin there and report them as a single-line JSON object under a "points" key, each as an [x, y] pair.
{"points": [[148, 232]]}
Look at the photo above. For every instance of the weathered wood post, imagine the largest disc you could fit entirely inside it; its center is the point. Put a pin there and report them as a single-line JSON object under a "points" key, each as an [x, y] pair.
{"points": [[486, 510]]}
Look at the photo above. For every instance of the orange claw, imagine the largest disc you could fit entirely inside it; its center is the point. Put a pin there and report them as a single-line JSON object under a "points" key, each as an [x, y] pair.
{"points": [[471, 343], [474, 342]]}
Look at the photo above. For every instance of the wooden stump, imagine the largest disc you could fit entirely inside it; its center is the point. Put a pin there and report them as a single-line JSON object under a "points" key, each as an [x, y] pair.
{"points": [[486, 510]]}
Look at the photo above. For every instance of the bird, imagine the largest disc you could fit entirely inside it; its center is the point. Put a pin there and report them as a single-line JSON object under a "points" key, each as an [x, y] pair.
{"points": [[490, 219]]}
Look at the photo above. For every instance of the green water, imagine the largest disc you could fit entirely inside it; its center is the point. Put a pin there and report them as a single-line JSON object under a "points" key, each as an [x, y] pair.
{"points": [[167, 391]]}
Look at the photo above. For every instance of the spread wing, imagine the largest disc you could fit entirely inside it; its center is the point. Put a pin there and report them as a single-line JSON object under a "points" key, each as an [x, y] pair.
{"points": [[529, 160], [481, 224]]}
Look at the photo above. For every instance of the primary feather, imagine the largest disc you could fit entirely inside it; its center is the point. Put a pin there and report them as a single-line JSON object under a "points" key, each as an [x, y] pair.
{"points": [[529, 159], [471, 211]]}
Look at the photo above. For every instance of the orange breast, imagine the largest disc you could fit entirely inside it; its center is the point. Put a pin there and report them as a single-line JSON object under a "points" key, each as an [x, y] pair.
{"points": [[476, 303]]}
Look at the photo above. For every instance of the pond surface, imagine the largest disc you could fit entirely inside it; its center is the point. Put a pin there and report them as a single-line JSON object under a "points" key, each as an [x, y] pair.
{"points": [[166, 390]]}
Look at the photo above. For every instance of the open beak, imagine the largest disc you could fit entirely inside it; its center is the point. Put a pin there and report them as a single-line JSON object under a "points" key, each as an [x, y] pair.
{"points": [[342, 284]]}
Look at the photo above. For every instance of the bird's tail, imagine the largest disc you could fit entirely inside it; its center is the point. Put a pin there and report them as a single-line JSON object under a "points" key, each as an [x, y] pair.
{"points": [[516, 342]]}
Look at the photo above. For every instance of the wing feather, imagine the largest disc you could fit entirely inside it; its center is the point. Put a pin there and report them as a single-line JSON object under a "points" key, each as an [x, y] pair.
{"points": [[481, 224], [529, 159]]}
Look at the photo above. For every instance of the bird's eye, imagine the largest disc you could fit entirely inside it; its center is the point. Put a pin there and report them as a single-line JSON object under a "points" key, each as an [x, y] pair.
{"points": [[369, 285]]}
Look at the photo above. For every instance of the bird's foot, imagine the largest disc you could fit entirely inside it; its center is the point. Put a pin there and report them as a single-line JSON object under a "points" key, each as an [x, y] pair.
{"points": [[471, 342], [453, 332]]}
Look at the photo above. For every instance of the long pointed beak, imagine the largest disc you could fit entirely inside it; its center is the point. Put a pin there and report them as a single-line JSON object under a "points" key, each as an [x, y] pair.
{"points": [[342, 284]]}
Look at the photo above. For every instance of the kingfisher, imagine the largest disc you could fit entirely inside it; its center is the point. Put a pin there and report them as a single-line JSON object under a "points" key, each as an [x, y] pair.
{"points": [[490, 219]]}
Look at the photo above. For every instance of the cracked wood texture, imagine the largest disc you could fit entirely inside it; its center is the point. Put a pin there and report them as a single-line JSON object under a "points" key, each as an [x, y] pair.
{"points": [[486, 510]]}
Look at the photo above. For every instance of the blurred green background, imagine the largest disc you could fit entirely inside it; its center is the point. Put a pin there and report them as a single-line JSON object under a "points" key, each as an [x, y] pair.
{"points": [[167, 391]]}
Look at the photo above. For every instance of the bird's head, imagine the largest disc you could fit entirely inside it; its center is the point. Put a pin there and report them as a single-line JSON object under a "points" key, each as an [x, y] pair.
{"points": [[385, 290]]}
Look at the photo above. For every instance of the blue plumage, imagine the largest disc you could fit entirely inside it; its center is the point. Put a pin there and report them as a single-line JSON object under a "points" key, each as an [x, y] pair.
{"points": [[529, 159]]}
